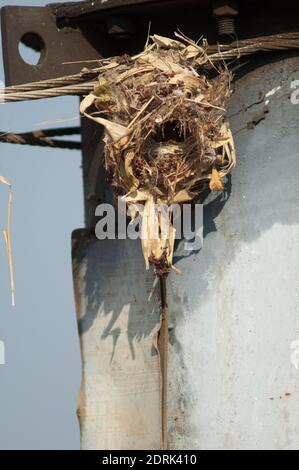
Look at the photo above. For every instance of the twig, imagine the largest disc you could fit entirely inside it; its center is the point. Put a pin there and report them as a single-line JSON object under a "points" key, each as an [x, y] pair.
{"points": [[6, 234], [7, 239]]}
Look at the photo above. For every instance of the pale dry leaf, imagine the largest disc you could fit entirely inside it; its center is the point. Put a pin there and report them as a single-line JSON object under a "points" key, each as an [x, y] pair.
{"points": [[140, 195], [166, 42], [116, 131], [183, 196], [190, 52], [87, 102], [190, 81], [216, 183]]}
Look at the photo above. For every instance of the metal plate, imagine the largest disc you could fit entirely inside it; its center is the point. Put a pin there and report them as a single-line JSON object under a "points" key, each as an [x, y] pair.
{"points": [[69, 37], [67, 44]]}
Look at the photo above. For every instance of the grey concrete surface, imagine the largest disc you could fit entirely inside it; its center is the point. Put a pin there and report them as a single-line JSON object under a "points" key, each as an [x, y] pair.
{"points": [[234, 382]]}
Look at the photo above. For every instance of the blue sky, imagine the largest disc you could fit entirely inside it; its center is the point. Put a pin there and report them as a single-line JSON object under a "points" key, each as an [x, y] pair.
{"points": [[40, 381]]}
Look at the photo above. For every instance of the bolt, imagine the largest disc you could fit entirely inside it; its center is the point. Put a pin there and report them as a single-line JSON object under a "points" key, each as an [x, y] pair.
{"points": [[225, 12], [120, 27]]}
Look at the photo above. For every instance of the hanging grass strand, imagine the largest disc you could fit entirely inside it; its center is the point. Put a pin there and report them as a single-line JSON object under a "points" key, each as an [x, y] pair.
{"points": [[7, 239]]}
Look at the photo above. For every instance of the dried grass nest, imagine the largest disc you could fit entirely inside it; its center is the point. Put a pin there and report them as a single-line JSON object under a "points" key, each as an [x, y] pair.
{"points": [[166, 136]]}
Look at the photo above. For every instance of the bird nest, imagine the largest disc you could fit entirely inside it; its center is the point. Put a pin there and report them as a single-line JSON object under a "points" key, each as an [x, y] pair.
{"points": [[166, 136]]}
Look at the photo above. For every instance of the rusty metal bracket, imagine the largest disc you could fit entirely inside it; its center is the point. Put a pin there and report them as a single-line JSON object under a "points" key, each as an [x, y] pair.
{"points": [[37, 27], [78, 31]]}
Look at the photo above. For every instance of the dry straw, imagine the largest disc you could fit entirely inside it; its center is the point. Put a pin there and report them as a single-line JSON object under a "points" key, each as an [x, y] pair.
{"points": [[7, 238], [166, 136]]}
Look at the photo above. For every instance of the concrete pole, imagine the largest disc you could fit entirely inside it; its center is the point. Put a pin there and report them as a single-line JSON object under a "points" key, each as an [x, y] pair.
{"points": [[234, 348], [119, 309]]}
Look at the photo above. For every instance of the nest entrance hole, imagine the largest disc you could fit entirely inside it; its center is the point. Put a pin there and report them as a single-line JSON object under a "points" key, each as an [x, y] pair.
{"points": [[170, 131]]}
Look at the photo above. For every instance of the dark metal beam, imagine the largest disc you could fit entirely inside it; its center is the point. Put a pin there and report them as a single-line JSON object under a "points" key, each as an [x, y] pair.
{"points": [[68, 11], [74, 33]]}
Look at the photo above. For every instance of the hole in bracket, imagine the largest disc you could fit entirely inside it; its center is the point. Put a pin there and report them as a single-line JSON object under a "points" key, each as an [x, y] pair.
{"points": [[32, 48]]}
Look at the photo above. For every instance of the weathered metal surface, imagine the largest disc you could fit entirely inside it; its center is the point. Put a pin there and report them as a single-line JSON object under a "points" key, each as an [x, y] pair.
{"points": [[90, 9], [76, 32], [235, 309], [95, 187], [72, 33], [61, 46], [118, 310]]}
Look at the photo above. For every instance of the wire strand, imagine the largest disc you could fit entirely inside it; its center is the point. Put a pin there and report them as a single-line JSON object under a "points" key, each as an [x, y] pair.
{"points": [[82, 83], [42, 138]]}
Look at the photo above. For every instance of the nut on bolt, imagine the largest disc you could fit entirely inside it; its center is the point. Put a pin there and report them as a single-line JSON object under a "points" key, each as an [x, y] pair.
{"points": [[225, 13]]}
